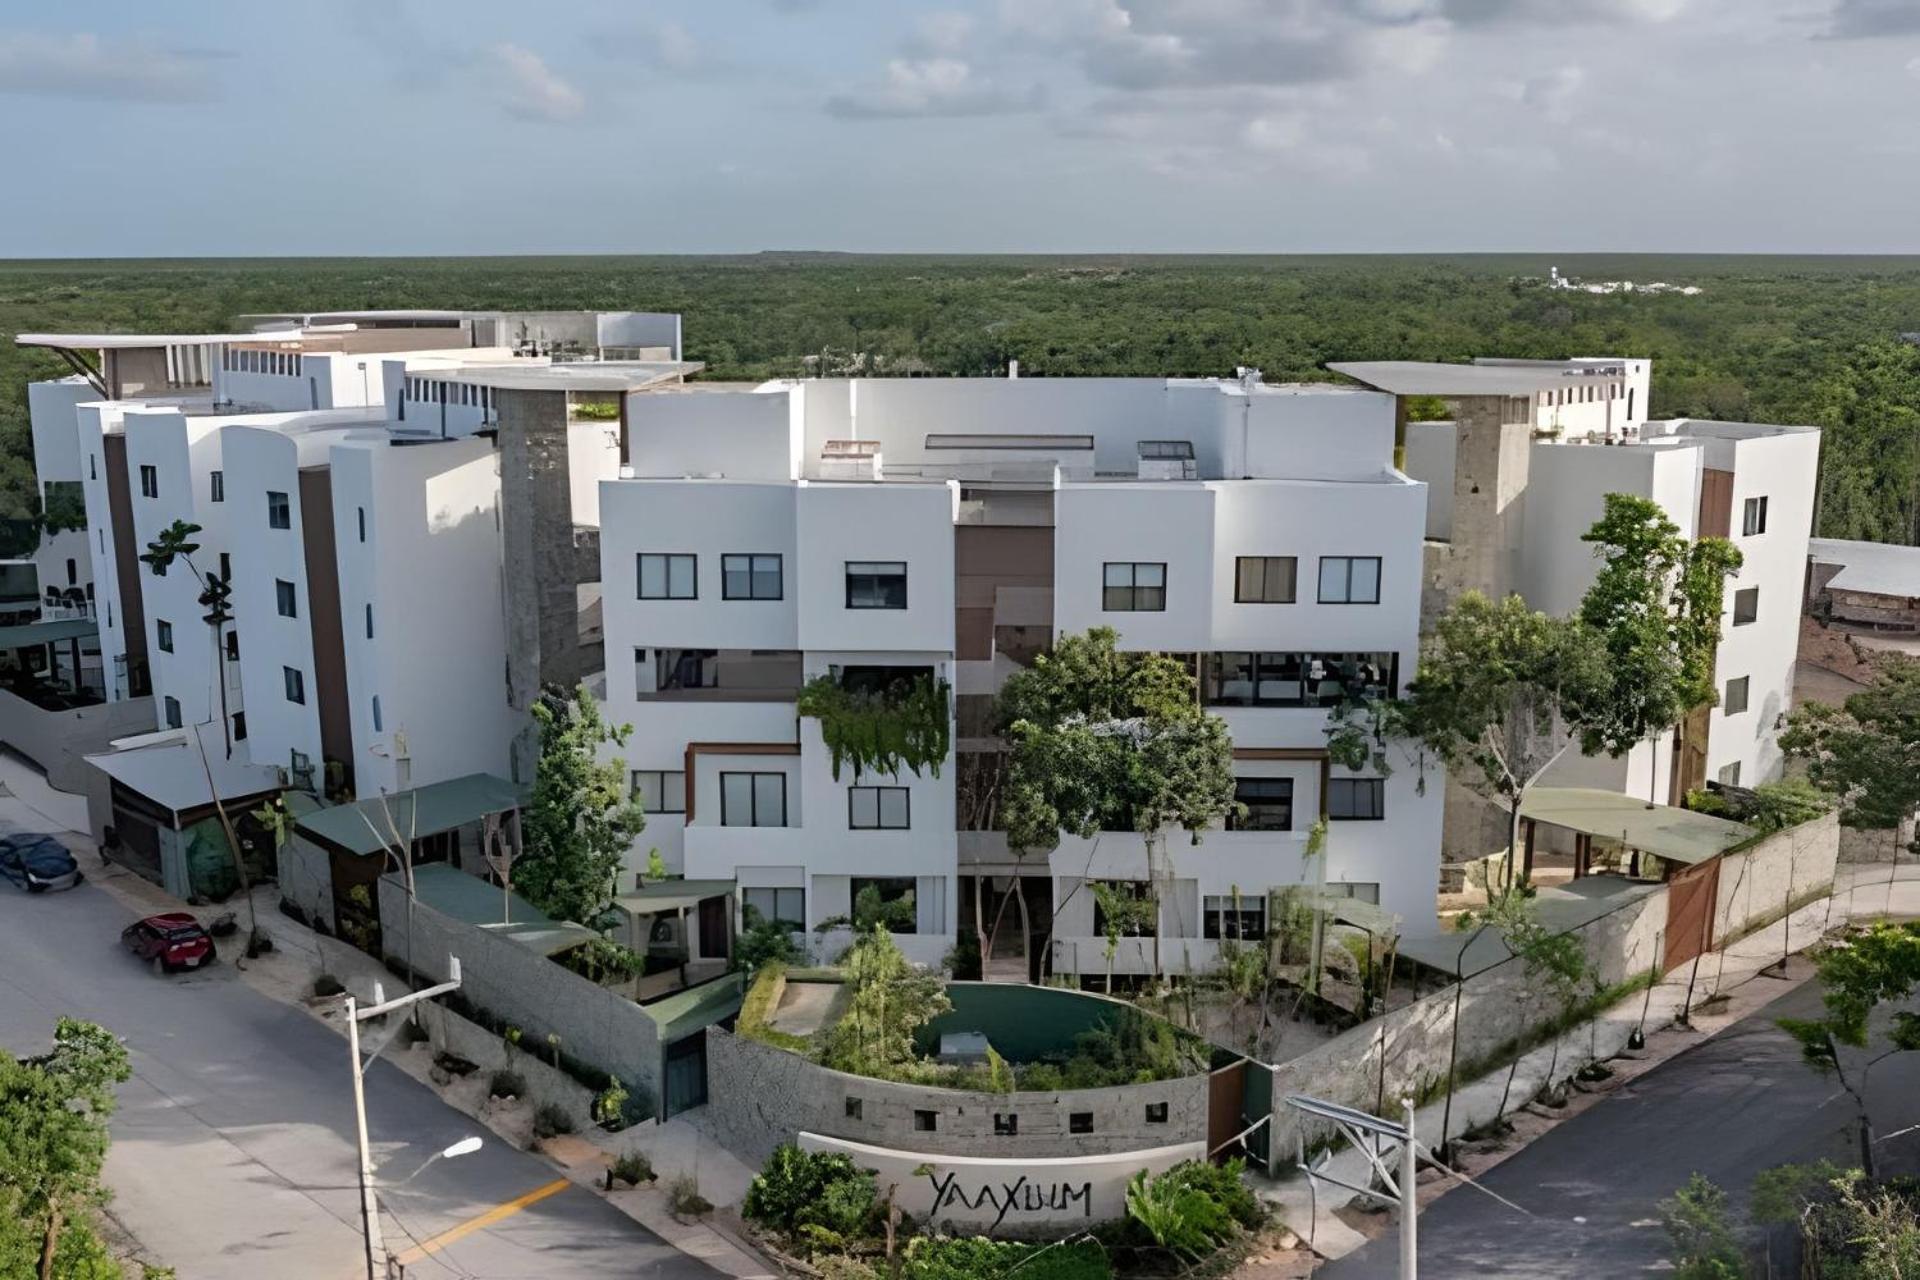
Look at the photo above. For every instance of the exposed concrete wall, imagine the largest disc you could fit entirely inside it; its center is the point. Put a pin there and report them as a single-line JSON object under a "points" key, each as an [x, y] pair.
{"points": [[1757, 883], [57, 740], [541, 568], [306, 879], [1490, 473], [1876, 844], [448, 1032], [760, 1097]]}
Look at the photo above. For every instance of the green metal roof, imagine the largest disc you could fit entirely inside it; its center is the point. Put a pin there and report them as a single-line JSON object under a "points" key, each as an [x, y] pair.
{"points": [[671, 895], [1678, 835], [28, 634], [362, 827], [685, 1012], [471, 900]]}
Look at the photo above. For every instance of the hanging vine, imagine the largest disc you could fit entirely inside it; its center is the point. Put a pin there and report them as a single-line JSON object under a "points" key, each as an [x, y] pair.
{"points": [[906, 726]]}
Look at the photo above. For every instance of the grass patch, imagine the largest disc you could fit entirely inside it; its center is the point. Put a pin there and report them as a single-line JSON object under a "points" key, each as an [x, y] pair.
{"points": [[758, 1007]]}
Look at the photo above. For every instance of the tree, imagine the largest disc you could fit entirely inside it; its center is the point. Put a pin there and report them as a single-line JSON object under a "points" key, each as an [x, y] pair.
{"points": [[1502, 693], [53, 1139], [1553, 962], [1109, 740], [890, 1000], [1656, 602], [1697, 1221], [582, 819], [1866, 753], [1880, 966]]}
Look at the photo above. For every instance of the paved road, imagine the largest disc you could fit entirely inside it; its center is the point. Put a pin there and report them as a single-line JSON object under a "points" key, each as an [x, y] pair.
{"points": [[1735, 1105], [233, 1146]]}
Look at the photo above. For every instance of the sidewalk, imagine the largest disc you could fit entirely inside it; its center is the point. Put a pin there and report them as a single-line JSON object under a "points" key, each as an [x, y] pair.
{"points": [[1746, 974]]}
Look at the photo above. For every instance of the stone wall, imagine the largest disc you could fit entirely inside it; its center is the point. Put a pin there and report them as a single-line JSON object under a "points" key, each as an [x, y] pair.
{"points": [[760, 1096], [448, 1032], [529, 991], [1876, 844], [306, 878]]}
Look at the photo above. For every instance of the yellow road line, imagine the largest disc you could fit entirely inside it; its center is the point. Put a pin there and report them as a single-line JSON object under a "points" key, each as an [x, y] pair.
{"points": [[499, 1212]]}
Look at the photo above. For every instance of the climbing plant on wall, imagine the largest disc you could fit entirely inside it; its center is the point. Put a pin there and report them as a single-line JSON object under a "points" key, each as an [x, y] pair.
{"points": [[907, 725]]}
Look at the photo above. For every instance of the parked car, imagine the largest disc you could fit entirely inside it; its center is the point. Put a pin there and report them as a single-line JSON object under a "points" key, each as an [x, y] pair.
{"points": [[170, 942], [37, 863]]}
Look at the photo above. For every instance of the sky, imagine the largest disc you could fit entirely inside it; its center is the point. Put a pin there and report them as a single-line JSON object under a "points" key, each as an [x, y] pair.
{"points": [[223, 127]]}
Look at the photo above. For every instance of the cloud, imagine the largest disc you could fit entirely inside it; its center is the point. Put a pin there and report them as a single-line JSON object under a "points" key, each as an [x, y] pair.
{"points": [[939, 34], [933, 87], [1865, 19], [533, 90], [1552, 94], [82, 65]]}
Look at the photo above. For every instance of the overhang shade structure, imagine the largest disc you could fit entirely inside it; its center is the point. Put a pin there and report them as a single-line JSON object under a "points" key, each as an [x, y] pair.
{"points": [[363, 827], [1673, 835], [471, 900]]}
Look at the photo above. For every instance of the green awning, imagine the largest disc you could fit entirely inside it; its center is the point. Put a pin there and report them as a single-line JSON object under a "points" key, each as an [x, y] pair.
{"points": [[685, 1012], [1678, 835], [364, 828], [671, 895], [471, 900], [29, 634]]}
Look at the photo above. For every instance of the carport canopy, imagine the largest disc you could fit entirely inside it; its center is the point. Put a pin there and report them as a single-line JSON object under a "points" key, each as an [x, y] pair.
{"points": [[1677, 835], [363, 827], [671, 895]]}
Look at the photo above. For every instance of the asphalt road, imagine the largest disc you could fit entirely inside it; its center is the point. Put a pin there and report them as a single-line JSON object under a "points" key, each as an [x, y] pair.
{"points": [[233, 1152], [1729, 1108]]}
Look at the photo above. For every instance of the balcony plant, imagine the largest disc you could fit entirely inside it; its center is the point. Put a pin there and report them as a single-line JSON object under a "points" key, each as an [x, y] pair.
{"points": [[906, 725]]}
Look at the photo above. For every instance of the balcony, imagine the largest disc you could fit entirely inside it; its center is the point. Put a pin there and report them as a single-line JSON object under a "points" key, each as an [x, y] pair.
{"points": [[717, 675]]}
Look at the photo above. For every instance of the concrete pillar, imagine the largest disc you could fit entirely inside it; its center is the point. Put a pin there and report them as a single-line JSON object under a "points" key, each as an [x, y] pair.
{"points": [[1491, 460]]}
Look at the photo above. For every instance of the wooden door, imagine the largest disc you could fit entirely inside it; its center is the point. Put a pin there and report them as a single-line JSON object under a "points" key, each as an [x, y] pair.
{"points": [[1226, 1107], [713, 927], [1691, 896]]}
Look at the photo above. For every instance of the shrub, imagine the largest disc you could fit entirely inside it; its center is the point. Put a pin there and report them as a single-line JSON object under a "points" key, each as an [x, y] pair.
{"points": [[1192, 1208], [684, 1198], [797, 1189], [507, 1084], [936, 1258], [328, 985], [765, 942], [1696, 1220], [551, 1121], [609, 1106], [632, 1168], [1787, 803]]}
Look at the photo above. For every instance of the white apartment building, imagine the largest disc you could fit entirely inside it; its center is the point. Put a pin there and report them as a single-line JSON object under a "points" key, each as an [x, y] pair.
{"points": [[764, 535]]}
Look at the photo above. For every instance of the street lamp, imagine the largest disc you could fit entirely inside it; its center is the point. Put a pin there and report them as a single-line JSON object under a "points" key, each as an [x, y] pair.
{"points": [[464, 1147]]}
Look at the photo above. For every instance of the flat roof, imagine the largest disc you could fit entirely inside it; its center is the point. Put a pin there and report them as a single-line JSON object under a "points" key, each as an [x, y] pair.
{"points": [[33, 633], [1678, 835], [361, 827], [671, 895], [1871, 568], [127, 341], [584, 375], [1433, 378], [171, 774], [471, 900]]}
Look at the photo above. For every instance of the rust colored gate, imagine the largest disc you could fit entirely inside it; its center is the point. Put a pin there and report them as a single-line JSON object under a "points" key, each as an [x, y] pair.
{"points": [[1691, 895], [1226, 1106]]}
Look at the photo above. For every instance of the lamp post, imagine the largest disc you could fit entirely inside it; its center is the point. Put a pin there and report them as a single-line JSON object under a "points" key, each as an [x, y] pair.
{"points": [[376, 1249]]}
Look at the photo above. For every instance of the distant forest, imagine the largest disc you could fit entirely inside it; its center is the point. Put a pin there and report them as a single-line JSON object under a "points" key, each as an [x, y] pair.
{"points": [[1771, 339]]}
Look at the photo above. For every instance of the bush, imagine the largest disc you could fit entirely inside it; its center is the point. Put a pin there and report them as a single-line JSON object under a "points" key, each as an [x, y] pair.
{"points": [[632, 1168], [798, 1189], [551, 1121], [764, 942], [328, 985], [935, 1258], [1696, 1219], [684, 1198], [1192, 1208], [507, 1084]]}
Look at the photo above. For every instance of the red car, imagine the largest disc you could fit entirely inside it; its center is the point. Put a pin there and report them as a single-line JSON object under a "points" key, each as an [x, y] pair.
{"points": [[169, 942]]}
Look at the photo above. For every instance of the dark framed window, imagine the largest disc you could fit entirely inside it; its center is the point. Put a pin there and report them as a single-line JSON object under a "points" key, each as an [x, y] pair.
{"points": [[1137, 891], [1156, 1113], [279, 510], [296, 684], [1227, 916], [226, 568], [1265, 579], [878, 808], [1349, 579], [1753, 517], [1268, 804], [876, 584], [686, 669], [1080, 1122], [239, 726], [1357, 799], [668, 576], [1746, 606], [1006, 1124], [377, 726], [1736, 700], [369, 620], [778, 906], [1133, 587], [361, 514], [217, 484], [149, 481], [753, 799], [661, 790], [285, 599], [233, 646], [1296, 679], [163, 635], [926, 1121], [891, 901], [751, 577], [172, 705]]}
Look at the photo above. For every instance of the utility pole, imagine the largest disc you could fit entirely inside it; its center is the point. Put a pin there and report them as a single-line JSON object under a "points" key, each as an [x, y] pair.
{"points": [[376, 1249], [1409, 1198]]}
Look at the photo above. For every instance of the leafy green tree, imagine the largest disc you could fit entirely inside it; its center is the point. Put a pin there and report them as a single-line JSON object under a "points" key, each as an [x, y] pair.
{"points": [[1553, 962], [1502, 693], [889, 1000], [1698, 1222], [1866, 753], [582, 818]]}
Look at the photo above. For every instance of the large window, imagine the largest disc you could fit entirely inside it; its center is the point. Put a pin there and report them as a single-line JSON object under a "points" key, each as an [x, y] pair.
{"points": [[284, 598], [1349, 579], [876, 584], [878, 808], [1357, 799], [750, 577], [1129, 587], [1139, 923], [1226, 916], [753, 799], [886, 900], [1264, 579], [668, 577], [1268, 803], [296, 684], [149, 481], [1736, 700], [279, 510], [1753, 517], [776, 906], [1746, 606], [661, 790], [163, 635], [1291, 679]]}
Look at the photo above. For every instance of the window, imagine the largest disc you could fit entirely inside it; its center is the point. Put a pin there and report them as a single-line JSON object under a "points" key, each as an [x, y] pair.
{"points": [[1349, 579], [1156, 1113], [239, 726], [93, 466], [296, 684], [926, 1121], [1139, 924], [877, 808], [1358, 890], [668, 577], [1268, 801], [889, 901], [1133, 588], [361, 514], [1296, 679], [218, 481], [1080, 1122], [1006, 1124], [687, 669], [750, 578], [226, 568], [369, 620], [853, 1108], [661, 790], [233, 646], [1736, 699], [876, 584], [1746, 605], [1753, 517], [1264, 579], [1357, 799], [1729, 774], [780, 906], [753, 799], [149, 481], [279, 510], [284, 598], [1227, 916], [73, 573], [376, 713], [173, 712], [164, 633]]}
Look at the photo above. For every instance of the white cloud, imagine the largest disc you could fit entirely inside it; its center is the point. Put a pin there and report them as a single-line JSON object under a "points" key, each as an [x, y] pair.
{"points": [[84, 66], [533, 90], [1865, 19], [1913, 68], [675, 48], [1552, 94], [942, 33], [933, 87]]}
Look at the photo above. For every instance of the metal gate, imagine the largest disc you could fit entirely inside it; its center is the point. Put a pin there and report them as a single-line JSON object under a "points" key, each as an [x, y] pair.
{"points": [[686, 1075], [1691, 895], [1226, 1108]]}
